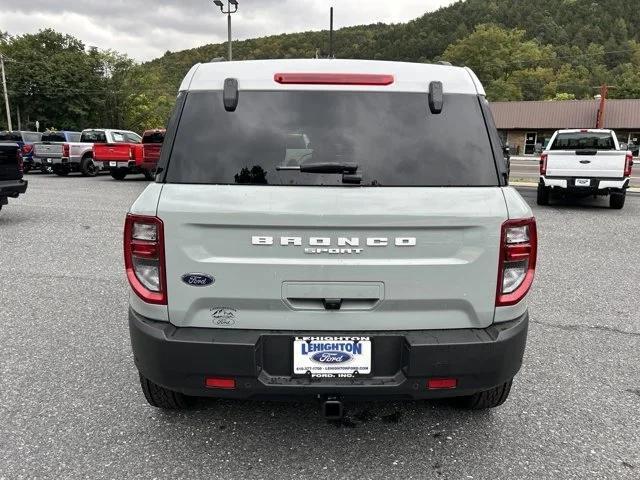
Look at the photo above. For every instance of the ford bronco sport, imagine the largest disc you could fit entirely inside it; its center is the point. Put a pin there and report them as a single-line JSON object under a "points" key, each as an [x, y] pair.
{"points": [[328, 228]]}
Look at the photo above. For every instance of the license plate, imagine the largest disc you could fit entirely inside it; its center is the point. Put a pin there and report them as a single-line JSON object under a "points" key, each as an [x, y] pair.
{"points": [[113, 164], [583, 182], [332, 356], [48, 160]]}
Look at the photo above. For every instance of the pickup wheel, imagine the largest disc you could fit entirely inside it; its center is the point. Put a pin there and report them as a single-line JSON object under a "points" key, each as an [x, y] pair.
{"points": [[616, 200], [160, 397], [489, 398], [543, 195], [87, 167], [118, 174]]}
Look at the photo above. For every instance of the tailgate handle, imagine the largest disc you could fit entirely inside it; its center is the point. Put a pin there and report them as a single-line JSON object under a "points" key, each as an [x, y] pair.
{"points": [[585, 161], [332, 303]]}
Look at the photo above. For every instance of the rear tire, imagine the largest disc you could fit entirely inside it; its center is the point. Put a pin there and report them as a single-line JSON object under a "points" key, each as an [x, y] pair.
{"points": [[488, 399], [87, 167], [616, 200], [161, 397], [543, 195], [118, 174]]}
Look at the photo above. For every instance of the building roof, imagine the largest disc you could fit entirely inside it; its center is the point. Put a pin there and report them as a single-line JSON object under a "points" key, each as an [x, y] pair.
{"points": [[553, 115], [259, 75]]}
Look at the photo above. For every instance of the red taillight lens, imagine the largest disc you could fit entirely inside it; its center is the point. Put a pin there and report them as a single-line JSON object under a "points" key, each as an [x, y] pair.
{"points": [[144, 258], [442, 383], [518, 254], [26, 149], [131, 154], [217, 382], [20, 161], [628, 164], [543, 164], [333, 79], [65, 150]]}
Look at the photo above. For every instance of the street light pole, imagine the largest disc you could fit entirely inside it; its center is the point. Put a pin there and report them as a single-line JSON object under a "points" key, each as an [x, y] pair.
{"points": [[228, 13]]}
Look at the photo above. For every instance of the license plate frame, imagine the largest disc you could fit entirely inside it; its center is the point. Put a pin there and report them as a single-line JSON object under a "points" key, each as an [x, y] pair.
{"points": [[582, 182], [337, 356]]}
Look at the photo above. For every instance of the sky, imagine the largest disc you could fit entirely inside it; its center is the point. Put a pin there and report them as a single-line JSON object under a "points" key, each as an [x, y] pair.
{"points": [[145, 29]]}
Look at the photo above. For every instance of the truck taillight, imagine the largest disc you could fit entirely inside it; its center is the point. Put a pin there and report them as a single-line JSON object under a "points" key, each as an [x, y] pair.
{"points": [[543, 164], [144, 258], [26, 149], [518, 253], [65, 150], [131, 153], [20, 161], [628, 164]]}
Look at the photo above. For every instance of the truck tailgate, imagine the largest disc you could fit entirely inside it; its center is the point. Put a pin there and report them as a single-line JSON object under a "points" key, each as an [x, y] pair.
{"points": [[47, 150], [112, 151], [600, 164], [398, 258]]}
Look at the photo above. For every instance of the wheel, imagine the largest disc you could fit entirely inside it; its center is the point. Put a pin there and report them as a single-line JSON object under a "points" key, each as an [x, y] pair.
{"points": [[149, 175], [118, 174], [543, 195], [616, 200], [489, 398], [160, 397], [87, 167]]}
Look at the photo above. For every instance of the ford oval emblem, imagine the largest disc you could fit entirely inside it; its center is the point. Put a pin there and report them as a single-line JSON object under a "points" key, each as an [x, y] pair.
{"points": [[331, 357], [198, 279]]}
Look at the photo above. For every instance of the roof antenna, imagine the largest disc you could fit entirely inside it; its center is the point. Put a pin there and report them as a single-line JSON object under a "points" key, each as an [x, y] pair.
{"points": [[331, 34]]}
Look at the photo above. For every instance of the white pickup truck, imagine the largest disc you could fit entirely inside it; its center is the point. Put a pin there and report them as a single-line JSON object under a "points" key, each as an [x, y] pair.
{"points": [[585, 162]]}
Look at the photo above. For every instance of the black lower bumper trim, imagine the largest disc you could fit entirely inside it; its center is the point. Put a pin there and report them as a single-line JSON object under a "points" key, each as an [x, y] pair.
{"points": [[261, 360], [13, 188]]}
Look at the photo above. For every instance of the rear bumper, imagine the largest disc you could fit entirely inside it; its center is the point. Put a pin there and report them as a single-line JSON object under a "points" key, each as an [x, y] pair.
{"points": [[597, 185], [261, 361], [118, 165], [13, 188]]}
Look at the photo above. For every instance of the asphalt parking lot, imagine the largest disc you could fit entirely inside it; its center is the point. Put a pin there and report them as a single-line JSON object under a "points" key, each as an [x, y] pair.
{"points": [[71, 406]]}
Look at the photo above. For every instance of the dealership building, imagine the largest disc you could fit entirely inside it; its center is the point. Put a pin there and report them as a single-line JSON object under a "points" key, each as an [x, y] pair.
{"points": [[527, 126]]}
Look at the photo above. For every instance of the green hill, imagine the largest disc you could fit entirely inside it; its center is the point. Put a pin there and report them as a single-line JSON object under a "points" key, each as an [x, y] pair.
{"points": [[520, 49]]}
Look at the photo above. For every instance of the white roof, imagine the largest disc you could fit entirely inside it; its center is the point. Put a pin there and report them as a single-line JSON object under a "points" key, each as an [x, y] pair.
{"points": [[259, 75], [589, 130]]}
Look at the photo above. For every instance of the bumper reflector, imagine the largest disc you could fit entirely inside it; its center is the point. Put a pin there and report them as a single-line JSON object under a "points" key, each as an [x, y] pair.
{"points": [[442, 383], [217, 382]]}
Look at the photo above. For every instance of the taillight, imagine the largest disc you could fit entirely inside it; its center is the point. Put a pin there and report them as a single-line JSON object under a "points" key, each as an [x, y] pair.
{"points": [[20, 161], [26, 149], [65, 150], [628, 164], [543, 164], [144, 258], [131, 157], [518, 253]]}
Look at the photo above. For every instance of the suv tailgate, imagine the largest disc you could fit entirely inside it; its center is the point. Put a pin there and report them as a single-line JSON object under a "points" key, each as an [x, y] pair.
{"points": [[446, 280]]}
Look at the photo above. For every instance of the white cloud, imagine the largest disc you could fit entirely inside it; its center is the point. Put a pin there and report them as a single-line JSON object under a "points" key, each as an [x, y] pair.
{"points": [[145, 29]]}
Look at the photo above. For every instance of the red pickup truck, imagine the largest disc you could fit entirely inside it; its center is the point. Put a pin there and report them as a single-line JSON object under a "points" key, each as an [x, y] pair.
{"points": [[151, 146], [122, 155]]}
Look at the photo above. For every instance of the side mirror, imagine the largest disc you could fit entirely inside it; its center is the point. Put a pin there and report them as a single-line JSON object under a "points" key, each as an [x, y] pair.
{"points": [[624, 146]]}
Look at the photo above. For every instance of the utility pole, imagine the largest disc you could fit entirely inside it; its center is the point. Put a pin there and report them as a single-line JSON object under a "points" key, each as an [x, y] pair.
{"points": [[228, 13], [604, 91], [331, 34], [6, 95]]}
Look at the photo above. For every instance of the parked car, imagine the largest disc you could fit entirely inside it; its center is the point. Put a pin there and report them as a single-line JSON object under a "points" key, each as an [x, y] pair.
{"points": [[25, 140], [121, 154], [585, 162], [52, 147], [391, 261], [11, 169], [152, 141]]}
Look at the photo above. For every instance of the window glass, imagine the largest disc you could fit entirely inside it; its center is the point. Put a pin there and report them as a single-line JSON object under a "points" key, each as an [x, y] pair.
{"points": [[583, 141]]}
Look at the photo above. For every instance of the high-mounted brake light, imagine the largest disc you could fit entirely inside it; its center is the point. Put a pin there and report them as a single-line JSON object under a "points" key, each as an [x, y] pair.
{"points": [[517, 264], [628, 164], [543, 164], [65, 150], [144, 258], [333, 79]]}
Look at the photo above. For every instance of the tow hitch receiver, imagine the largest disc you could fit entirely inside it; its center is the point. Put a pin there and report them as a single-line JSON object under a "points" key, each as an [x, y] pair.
{"points": [[332, 408]]}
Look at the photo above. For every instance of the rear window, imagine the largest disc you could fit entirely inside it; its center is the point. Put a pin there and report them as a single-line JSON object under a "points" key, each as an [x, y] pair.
{"points": [[10, 137], [392, 137], [53, 137], [74, 137], [93, 136], [153, 137], [31, 137], [583, 141]]}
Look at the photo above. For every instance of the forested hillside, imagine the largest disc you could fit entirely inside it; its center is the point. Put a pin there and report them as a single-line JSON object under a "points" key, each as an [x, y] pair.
{"points": [[521, 49]]}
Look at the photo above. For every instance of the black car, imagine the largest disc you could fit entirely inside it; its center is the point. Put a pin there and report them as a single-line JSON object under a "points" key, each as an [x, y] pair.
{"points": [[11, 171]]}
